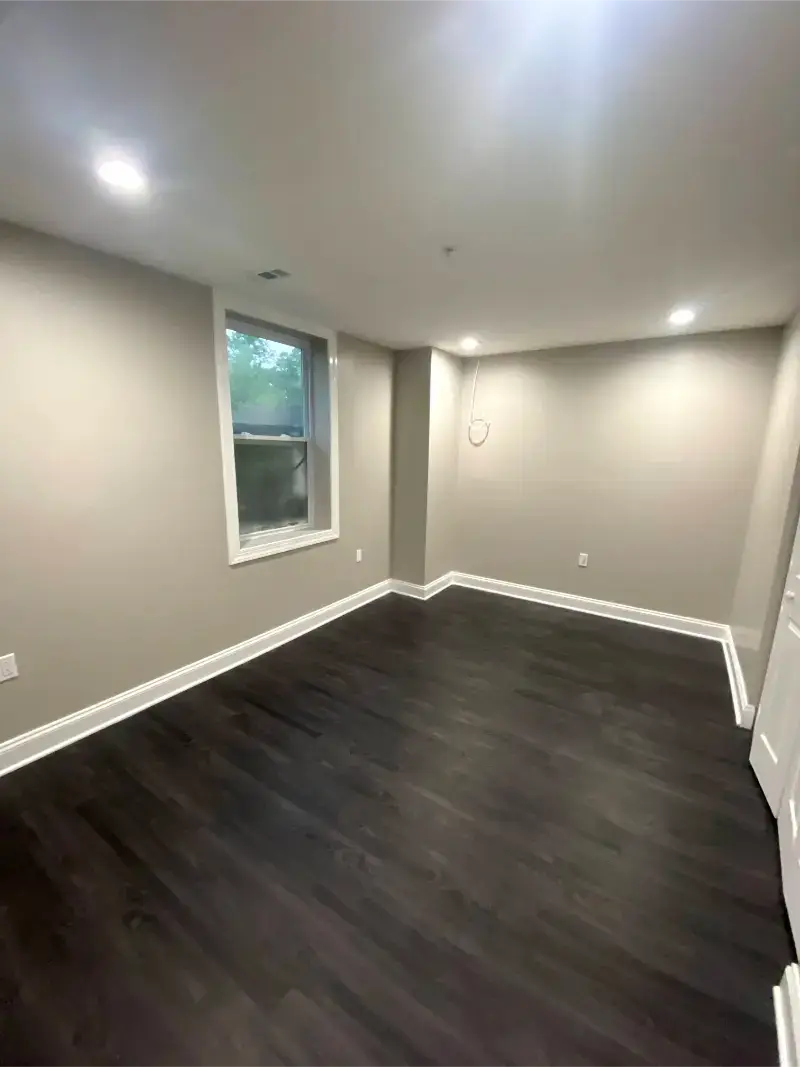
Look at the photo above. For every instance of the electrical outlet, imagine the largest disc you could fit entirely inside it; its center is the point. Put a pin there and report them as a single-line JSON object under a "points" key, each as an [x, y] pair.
{"points": [[358, 555], [583, 559], [8, 668]]}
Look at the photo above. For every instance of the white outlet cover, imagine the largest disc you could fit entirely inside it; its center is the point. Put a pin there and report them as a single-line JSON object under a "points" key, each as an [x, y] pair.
{"points": [[8, 667], [583, 559], [358, 555]]}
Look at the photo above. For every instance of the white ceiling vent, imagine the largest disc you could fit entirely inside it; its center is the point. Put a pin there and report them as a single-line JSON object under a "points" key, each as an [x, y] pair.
{"points": [[270, 275]]}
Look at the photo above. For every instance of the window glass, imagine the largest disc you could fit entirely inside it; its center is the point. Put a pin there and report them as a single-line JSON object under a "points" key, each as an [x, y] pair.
{"points": [[267, 386], [271, 485]]}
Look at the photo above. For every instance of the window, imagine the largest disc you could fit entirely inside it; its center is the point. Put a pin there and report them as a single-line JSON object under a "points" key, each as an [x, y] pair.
{"points": [[270, 441], [277, 414]]}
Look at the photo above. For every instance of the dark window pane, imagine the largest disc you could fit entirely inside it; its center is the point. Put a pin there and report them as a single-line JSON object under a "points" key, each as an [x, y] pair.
{"points": [[267, 388], [271, 485]]}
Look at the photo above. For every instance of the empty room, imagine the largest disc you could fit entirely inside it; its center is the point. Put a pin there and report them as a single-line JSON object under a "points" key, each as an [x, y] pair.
{"points": [[399, 552]]}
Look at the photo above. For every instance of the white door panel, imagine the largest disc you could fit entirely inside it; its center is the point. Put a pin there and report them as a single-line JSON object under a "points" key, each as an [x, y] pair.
{"points": [[776, 726], [789, 839], [775, 751]]}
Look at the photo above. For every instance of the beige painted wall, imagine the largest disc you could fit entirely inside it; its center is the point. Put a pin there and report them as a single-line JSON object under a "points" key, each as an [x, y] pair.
{"points": [[445, 400], [410, 429], [113, 560], [427, 386], [772, 525], [642, 454]]}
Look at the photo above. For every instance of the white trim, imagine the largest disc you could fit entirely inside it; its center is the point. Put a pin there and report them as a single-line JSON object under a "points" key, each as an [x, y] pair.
{"points": [[729, 651], [225, 302], [277, 533], [422, 592], [786, 998], [262, 438], [304, 539], [37, 743], [682, 624], [745, 712], [220, 307]]}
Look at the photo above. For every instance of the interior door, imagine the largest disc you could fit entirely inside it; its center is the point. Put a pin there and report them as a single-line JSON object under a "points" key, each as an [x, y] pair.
{"points": [[777, 726], [789, 841]]}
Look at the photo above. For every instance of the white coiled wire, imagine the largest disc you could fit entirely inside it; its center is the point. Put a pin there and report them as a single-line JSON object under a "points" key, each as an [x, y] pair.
{"points": [[477, 427]]}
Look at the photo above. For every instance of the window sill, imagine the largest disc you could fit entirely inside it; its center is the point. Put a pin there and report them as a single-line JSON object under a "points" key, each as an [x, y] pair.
{"points": [[290, 543]]}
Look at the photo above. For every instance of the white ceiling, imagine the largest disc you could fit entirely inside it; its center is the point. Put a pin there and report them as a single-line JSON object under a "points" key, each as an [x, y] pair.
{"points": [[594, 164]]}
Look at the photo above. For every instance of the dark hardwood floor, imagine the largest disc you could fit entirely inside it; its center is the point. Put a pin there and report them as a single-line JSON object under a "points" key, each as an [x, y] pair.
{"points": [[473, 830]]}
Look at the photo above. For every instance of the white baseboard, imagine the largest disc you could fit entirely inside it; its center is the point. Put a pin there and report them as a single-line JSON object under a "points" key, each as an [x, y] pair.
{"points": [[422, 592], [681, 624], [745, 712], [45, 739], [786, 997], [39, 742]]}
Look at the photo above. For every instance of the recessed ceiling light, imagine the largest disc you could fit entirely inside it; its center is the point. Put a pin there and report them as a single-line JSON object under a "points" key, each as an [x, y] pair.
{"points": [[468, 344], [682, 316], [122, 175]]}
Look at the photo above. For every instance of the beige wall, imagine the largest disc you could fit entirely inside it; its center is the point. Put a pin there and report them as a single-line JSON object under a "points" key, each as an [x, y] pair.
{"points": [[642, 454], [113, 559], [411, 425], [445, 400], [427, 386], [772, 525]]}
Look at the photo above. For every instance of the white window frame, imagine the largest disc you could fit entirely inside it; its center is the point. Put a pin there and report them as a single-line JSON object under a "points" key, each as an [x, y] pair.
{"points": [[289, 538]]}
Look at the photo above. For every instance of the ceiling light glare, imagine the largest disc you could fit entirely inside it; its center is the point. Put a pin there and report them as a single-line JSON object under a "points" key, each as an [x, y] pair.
{"points": [[681, 316], [123, 176], [468, 344]]}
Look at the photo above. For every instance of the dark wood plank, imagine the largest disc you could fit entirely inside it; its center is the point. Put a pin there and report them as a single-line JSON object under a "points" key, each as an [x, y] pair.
{"points": [[469, 830]]}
